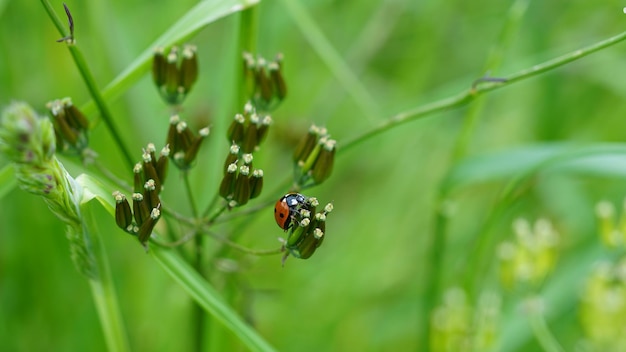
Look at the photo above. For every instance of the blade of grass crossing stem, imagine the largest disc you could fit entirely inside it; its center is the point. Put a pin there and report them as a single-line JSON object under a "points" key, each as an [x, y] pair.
{"points": [[333, 60], [207, 297], [198, 17]]}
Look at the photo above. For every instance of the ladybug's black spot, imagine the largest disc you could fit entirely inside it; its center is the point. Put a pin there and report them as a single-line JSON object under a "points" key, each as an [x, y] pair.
{"points": [[281, 215]]}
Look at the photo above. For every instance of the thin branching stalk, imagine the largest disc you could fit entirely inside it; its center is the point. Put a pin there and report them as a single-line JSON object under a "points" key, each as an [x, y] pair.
{"points": [[94, 91], [471, 93]]}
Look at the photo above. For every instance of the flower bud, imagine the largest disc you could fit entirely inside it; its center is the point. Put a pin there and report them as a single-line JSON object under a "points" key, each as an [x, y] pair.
{"points": [[192, 152], [70, 125], [280, 88], [158, 67], [123, 214], [151, 194], [228, 182], [324, 164], [145, 230], [161, 164], [140, 208], [241, 193], [256, 183], [175, 73], [188, 68], [236, 129], [306, 145], [263, 128], [137, 178]]}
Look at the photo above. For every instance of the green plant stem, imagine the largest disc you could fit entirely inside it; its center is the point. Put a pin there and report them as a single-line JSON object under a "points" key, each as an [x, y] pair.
{"points": [[480, 88], [247, 42], [332, 59], [198, 316], [203, 293], [94, 91], [102, 288], [544, 336]]}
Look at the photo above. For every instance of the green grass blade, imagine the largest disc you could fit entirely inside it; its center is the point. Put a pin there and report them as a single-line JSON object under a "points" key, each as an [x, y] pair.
{"points": [[7, 180], [602, 159], [207, 297], [194, 20]]}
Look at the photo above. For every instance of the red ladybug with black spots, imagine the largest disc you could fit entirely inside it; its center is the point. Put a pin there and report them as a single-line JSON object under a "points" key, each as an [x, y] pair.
{"points": [[286, 209]]}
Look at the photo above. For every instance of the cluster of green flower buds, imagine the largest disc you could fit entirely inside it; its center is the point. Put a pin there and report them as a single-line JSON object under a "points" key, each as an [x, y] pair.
{"points": [[149, 176], [532, 256], [308, 229], [314, 157], [264, 81], [70, 126], [457, 325], [183, 143], [612, 229], [248, 130], [175, 73], [603, 307]]}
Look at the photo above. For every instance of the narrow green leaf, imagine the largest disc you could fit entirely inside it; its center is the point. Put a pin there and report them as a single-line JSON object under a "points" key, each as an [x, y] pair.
{"points": [[7, 180], [603, 159], [206, 296], [195, 19]]}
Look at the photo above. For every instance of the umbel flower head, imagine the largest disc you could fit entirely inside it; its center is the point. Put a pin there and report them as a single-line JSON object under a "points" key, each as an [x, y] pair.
{"points": [[314, 157], [264, 81], [175, 72], [70, 126], [183, 143], [149, 177], [28, 141]]}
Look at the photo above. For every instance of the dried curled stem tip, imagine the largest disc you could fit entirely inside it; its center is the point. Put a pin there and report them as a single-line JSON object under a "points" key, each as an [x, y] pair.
{"points": [[68, 38]]}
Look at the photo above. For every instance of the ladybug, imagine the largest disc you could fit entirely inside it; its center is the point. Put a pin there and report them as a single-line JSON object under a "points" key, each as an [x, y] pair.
{"points": [[286, 209]]}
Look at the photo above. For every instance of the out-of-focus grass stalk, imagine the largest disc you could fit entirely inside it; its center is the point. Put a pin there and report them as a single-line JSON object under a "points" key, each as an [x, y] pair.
{"points": [[341, 70], [103, 288], [439, 232]]}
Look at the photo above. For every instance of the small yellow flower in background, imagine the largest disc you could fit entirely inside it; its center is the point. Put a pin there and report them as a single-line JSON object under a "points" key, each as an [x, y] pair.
{"points": [[531, 256]]}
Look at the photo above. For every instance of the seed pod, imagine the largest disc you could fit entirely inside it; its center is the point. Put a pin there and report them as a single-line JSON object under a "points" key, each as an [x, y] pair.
{"points": [[172, 75], [188, 68], [158, 67], [123, 214], [232, 157], [192, 152], [172, 134], [140, 208], [241, 193], [228, 182], [306, 145], [150, 173], [280, 87], [185, 136], [323, 166], [137, 178], [263, 82], [263, 128], [236, 129], [150, 194], [256, 183], [145, 230], [248, 73], [249, 139], [312, 157], [298, 233], [162, 162], [68, 134], [75, 117], [306, 247]]}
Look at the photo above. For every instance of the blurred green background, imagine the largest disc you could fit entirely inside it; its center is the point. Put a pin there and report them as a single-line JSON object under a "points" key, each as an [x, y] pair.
{"points": [[364, 289]]}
